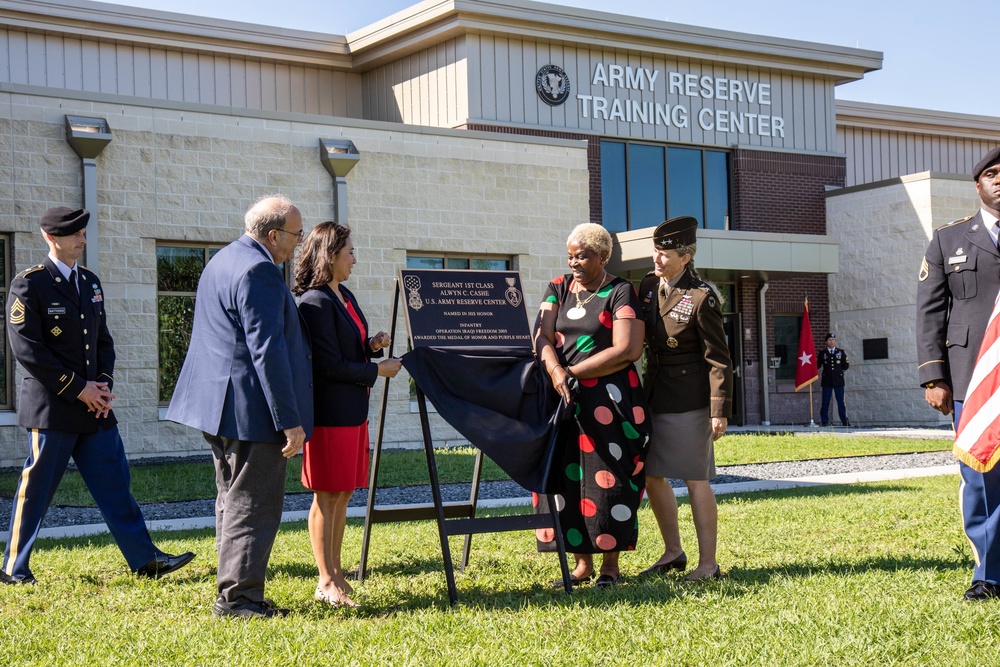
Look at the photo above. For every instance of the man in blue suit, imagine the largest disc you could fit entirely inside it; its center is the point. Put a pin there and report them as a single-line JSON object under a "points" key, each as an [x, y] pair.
{"points": [[246, 384]]}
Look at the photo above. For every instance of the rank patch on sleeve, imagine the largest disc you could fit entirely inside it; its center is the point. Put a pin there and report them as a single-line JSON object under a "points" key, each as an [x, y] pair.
{"points": [[924, 270], [17, 311]]}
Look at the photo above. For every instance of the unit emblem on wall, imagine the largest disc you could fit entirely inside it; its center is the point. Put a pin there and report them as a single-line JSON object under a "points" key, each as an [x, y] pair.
{"points": [[552, 85]]}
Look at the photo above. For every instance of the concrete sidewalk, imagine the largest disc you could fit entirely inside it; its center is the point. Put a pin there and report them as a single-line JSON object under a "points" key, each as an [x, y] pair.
{"points": [[914, 433], [721, 489]]}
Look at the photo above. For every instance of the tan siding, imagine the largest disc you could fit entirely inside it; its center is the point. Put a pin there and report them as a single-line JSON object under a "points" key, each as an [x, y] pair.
{"points": [[460, 95], [502, 63], [876, 155], [516, 92], [4, 51], [17, 48], [424, 88], [474, 44], [268, 87], [223, 83], [142, 73], [122, 69], [55, 62]]}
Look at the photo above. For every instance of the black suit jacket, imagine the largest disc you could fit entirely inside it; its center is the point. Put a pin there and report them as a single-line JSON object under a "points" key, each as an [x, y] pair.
{"points": [[343, 372], [62, 340], [958, 283]]}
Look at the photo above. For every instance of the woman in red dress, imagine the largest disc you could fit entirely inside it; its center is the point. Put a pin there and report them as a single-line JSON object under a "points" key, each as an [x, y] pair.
{"points": [[335, 461]]}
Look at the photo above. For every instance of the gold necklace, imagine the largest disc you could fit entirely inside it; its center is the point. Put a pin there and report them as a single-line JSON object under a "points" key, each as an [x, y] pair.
{"points": [[581, 304]]}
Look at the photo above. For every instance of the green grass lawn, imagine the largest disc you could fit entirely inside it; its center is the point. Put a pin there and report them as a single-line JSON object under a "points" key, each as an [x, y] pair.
{"points": [[865, 574], [196, 479]]}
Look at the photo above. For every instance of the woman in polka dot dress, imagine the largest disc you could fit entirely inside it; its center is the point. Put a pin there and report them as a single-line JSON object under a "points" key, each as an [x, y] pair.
{"points": [[587, 332]]}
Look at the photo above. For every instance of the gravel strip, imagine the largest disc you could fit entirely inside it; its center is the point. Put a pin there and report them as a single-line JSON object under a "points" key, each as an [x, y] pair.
{"points": [[400, 495]]}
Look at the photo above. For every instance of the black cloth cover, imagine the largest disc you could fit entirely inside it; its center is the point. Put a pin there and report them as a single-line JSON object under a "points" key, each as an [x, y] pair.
{"points": [[498, 399]]}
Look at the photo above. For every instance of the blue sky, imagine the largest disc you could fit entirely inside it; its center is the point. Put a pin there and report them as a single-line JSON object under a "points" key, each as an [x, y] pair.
{"points": [[931, 59]]}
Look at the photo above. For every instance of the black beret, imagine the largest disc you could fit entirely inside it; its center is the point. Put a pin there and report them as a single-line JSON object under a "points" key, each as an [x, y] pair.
{"points": [[988, 160], [63, 221], [831, 335], [675, 233]]}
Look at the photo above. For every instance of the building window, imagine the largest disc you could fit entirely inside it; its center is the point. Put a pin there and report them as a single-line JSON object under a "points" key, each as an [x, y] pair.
{"points": [[644, 184], [786, 345], [178, 268], [475, 263], [7, 367]]}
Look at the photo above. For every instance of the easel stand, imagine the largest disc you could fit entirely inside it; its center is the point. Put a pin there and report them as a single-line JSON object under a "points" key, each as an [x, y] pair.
{"points": [[453, 518]]}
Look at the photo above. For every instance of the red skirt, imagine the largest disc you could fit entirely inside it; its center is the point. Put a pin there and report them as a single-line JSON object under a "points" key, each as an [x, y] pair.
{"points": [[336, 459]]}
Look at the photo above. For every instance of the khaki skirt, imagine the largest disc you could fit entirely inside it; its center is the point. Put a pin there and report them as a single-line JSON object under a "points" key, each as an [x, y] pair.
{"points": [[681, 446]]}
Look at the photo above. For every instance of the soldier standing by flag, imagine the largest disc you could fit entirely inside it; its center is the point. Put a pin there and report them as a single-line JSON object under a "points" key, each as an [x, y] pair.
{"points": [[958, 284], [834, 362]]}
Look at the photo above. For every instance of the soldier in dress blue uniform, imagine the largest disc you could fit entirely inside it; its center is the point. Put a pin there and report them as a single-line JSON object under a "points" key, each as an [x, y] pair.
{"points": [[957, 285], [58, 333], [834, 362]]}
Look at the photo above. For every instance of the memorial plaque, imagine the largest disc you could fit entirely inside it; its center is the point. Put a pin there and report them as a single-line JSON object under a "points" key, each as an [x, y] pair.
{"points": [[464, 308]]}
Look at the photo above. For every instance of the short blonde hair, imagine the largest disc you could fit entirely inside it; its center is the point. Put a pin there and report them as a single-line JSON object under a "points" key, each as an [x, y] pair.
{"points": [[687, 249], [593, 237]]}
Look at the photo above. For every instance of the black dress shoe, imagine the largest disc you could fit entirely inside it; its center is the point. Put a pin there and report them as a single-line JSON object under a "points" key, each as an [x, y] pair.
{"points": [[606, 581], [679, 563], [573, 579], [982, 590], [265, 609], [164, 564], [13, 581]]}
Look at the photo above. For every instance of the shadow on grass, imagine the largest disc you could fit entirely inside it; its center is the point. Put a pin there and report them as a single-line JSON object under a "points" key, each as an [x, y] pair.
{"points": [[642, 590], [491, 585]]}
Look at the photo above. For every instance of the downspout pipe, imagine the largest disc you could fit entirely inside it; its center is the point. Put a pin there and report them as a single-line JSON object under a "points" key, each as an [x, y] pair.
{"points": [[764, 385]]}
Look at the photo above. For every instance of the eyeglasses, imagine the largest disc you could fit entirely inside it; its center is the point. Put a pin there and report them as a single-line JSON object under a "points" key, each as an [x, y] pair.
{"points": [[299, 233]]}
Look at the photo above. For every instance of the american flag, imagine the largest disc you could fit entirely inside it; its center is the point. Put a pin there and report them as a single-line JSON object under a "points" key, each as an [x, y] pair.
{"points": [[977, 438]]}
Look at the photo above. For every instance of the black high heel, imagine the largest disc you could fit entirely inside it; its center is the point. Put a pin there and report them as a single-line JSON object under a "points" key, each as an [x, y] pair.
{"points": [[680, 563]]}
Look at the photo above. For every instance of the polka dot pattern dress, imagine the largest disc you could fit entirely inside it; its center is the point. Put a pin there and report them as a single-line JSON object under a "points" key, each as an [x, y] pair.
{"points": [[598, 477]]}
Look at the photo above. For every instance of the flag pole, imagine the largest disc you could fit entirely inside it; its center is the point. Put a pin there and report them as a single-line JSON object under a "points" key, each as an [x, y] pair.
{"points": [[812, 424], [806, 372]]}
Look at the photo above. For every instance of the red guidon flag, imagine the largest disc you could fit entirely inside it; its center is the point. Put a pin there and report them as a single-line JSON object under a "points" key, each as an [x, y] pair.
{"points": [[806, 371], [977, 438]]}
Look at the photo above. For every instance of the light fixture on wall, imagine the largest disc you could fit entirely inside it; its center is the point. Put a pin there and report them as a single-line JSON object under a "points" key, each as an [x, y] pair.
{"points": [[338, 157], [88, 137]]}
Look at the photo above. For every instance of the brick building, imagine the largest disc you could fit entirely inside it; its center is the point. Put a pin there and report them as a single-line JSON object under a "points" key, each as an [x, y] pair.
{"points": [[485, 132]]}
